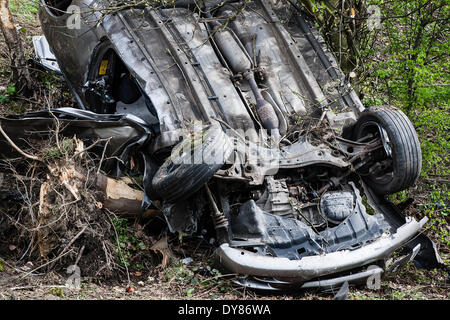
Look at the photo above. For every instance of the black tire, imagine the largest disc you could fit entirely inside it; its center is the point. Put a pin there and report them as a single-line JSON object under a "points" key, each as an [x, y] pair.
{"points": [[179, 177], [404, 148]]}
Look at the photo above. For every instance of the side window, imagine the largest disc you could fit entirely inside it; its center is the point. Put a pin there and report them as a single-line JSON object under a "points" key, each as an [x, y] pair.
{"points": [[57, 7]]}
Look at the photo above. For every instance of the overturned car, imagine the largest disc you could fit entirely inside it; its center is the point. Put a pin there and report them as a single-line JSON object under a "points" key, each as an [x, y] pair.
{"points": [[240, 113]]}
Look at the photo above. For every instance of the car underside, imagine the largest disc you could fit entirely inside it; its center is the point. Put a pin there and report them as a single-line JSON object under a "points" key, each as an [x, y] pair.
{"points": [[250, 124]]}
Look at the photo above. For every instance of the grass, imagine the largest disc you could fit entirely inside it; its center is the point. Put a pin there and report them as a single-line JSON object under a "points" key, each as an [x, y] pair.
{"points": [[26, 8], [408, 283], [53, 153], [57, 292]]}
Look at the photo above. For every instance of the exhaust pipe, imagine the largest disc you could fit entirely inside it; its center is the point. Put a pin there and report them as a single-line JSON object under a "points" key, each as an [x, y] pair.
{"points": [[266, 113], [240, 63]]}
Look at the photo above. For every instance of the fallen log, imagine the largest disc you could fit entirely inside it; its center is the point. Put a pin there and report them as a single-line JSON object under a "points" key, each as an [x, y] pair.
{"points": [[118, 196], [121, 198]]}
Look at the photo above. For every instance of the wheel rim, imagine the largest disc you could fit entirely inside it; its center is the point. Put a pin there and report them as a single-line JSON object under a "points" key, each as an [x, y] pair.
{"points": [[371, 127]]}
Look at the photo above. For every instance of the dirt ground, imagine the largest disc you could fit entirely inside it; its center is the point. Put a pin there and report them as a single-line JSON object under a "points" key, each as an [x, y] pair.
{"points": [[196, 280], [177, 282]]}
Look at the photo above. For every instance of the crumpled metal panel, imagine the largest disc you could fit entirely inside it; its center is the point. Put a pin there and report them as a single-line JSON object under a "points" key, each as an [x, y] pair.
{"points": [[73, 47], [126, 132], [195, 36], [293, 239], [45, 56]]}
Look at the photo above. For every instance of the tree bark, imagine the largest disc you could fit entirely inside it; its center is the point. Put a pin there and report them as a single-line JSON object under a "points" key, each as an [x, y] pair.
{"points": [[121, 198], [20, 73], [339, 27]]}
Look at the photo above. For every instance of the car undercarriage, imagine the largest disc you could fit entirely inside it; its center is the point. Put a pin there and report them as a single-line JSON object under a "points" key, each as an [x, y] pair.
{"points": [[242, 116]]}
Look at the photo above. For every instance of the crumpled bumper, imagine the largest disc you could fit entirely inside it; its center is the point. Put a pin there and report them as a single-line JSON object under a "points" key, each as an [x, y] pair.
{"points": [[285, 271]]}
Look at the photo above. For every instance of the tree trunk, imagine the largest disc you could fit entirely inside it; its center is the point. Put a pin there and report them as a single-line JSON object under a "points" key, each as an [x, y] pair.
{"points": [[339, 28], [121, 198], [20, 73]]}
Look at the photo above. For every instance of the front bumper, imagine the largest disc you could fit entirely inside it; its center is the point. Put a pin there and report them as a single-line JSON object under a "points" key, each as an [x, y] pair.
{"points": [[245, 262]]}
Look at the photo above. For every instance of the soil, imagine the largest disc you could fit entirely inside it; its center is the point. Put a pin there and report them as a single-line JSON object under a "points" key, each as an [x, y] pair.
{"points": [[177, 282]]}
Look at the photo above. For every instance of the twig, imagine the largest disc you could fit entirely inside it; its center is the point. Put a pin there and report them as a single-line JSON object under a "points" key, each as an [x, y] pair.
{"points": [[79, 255], [36, 286], [63, 253], [437, 180], [90, 147], [220, 276], [45, 264], [103, 156], [26, 155]]}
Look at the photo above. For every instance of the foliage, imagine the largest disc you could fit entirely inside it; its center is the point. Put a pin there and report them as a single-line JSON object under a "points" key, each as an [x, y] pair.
{"points": [[197, 278], [411, 71], [411, 65], [57, 292], [437, 209], [128, 243], [433, 127], [53, 153], [27, 8], [403, 61]]}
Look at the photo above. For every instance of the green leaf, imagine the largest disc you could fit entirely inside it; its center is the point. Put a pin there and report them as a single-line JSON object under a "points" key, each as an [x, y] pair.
{"points": [[189, 292], [142, 246], [11, 89]]}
